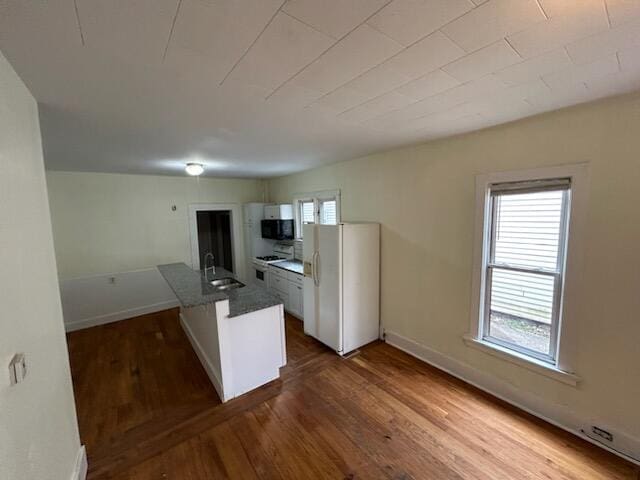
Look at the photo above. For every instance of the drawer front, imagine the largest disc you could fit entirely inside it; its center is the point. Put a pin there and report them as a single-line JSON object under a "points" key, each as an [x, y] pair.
{"points": [[280, 284], [295, 277], [284, 298], [278, 272]]}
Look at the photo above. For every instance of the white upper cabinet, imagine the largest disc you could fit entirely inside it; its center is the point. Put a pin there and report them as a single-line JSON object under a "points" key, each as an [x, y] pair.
{"points": [[278, 212]]}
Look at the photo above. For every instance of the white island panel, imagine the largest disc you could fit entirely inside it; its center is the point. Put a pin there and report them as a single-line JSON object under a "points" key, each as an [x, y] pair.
{"points": [[239, 353]]}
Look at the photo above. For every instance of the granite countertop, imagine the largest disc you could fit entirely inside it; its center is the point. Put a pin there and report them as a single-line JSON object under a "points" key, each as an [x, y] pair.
{"points": [[192, 291], [291, 265]]}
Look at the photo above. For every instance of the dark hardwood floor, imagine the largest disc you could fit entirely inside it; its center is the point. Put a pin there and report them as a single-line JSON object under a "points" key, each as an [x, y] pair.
{"points": [[148, 411]]}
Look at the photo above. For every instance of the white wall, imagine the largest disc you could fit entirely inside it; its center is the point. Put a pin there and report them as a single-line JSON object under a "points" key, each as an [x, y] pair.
{"points": [[38, 429], [113, 226], [424, 198], [110, 223], [98, 299]]}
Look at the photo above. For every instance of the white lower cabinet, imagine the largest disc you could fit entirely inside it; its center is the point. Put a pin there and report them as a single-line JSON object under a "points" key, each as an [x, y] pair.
{"points": [[295, 299], [284, 297], [287, 286], [279, 284]]}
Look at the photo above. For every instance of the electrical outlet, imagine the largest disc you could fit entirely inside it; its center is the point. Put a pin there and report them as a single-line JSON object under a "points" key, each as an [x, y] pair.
{"points": [[599, 434], [17, 369], [603, 434], [613, 439]]}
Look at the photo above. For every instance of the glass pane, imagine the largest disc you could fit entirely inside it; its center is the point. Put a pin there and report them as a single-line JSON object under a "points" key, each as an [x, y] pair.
{"points": [[527, 229], [328, 214], [306, 212], [521, 309]]}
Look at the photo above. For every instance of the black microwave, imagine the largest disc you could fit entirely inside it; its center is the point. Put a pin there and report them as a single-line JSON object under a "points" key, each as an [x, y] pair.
{"points": [[277, 229]]}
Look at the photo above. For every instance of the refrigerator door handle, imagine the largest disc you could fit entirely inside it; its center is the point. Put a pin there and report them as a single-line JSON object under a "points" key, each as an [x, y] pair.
{"points": [[316, 278]]}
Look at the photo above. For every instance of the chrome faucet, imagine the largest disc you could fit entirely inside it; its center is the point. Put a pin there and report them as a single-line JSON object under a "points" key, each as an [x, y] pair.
{"points": [[212, 267]]}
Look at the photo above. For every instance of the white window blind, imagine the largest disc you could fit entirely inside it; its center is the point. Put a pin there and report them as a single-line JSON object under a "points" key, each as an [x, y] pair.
{"points": [[328, 213], [307, 211], [316, 207], [527, 229], [524, 266]]}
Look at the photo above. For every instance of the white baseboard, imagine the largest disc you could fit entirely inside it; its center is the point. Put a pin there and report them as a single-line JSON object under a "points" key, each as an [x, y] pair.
{"points": [[561, 416], [123, 315], [81, 467], [204, 360]]}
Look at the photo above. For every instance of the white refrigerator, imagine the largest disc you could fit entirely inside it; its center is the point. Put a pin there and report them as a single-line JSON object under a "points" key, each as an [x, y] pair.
{"points": [[342, 284]]}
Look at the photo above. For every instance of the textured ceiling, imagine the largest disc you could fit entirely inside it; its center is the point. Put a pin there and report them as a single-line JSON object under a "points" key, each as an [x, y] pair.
{"points": [[265, 87]]}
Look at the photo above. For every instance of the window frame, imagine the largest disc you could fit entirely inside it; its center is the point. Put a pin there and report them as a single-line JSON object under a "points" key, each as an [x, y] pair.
{"points": [[560, 366], [299, 204], [321, 210], [317, 198], [558, 274]]}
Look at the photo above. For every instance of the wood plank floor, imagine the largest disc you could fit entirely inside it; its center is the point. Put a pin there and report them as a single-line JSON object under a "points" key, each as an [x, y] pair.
{"points": [[147, 411]]}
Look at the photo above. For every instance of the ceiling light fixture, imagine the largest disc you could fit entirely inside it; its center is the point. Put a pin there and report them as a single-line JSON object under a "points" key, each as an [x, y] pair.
{"points": [[194, 169]]}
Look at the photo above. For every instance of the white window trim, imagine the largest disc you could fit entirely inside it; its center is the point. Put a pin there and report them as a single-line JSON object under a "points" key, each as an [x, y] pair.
{"points": [[522, 360], [557, 274], [316, 197], [567, 329]]}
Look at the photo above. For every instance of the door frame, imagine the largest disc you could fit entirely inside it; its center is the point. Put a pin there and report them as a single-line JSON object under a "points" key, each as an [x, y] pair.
{"points": [[237, 252]]}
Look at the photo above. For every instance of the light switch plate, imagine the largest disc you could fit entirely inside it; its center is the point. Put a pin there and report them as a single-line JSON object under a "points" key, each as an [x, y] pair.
{"points": [[17, 369]]}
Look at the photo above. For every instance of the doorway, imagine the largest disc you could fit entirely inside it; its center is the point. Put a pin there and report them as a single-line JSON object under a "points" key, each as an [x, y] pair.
{"points": [[235, 261], [214, 236]]}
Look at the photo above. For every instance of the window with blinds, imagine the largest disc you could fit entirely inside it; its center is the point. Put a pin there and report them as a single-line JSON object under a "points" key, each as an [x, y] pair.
{"points": [[306, 214], [524, 266], [328, 212], [307, 211], [318, 207]]}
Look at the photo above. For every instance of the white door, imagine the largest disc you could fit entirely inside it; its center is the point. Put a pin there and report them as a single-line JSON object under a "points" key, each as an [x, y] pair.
{"points": [[328, 263], [310, 306]]}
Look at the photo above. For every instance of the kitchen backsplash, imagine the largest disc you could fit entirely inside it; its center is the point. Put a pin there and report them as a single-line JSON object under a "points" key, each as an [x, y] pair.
{"points": [[297, 249]]}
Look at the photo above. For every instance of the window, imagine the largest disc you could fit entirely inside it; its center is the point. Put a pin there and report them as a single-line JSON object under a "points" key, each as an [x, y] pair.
{"points": [[307, 210], [318, 207], [524, 265], [328, 214], [527, 261]]}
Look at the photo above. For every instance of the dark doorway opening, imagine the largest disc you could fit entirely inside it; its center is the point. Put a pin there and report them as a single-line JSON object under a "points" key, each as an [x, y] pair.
{"points": [[214, 236]]}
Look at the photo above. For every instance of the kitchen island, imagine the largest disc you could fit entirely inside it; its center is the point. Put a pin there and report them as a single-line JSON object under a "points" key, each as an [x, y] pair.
{"points": [[238, 333]]}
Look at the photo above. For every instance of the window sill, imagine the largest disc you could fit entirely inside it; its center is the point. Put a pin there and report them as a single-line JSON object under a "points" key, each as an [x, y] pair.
{"points": [[521, 360]]}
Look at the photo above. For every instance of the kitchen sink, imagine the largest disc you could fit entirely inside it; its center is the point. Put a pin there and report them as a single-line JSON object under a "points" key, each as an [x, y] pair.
{"points": [[226, 283]]}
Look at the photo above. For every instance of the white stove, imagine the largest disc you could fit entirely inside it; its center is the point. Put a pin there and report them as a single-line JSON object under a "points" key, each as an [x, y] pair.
{"points": [[281, 252], [267, 259]]}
